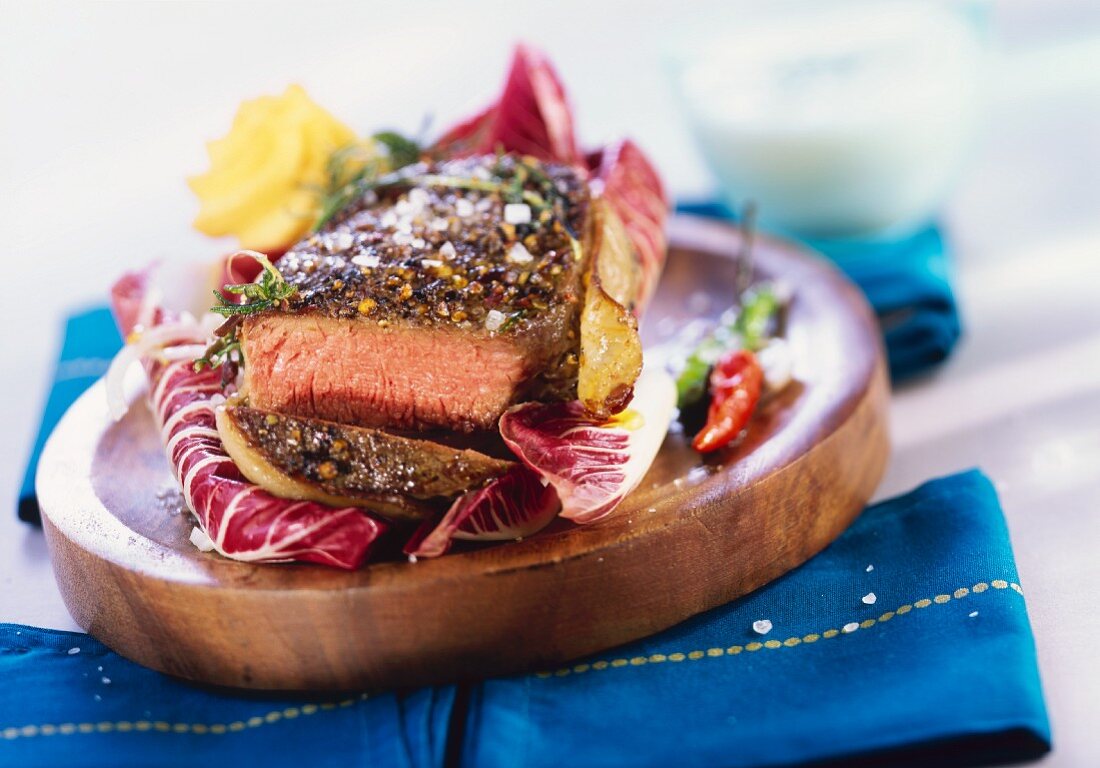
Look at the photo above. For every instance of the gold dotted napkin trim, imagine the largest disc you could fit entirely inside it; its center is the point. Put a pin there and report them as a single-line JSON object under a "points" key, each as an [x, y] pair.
{"points": [[161, 726], [790, 642]]}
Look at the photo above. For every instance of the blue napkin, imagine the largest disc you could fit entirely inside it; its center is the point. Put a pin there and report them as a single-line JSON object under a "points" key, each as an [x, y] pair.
{"points": [[906, 640], [907, 282], [68, 700], [939, 669], [90, 342]]}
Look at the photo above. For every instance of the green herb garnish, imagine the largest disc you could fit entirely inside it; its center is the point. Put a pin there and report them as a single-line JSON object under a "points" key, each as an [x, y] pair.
{"points": [[747, 328], [224, 352], [348, 174], [402, 150], [351, 171], [512, 319], [272, 289]]}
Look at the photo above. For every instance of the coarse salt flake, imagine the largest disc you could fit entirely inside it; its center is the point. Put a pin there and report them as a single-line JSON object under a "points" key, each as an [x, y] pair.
{"points": [[106, 680], [850, 627], [762, 627], [199, 538], [368, 260], [74, 651], [464, 207], [428, 263], [517, 213], [447, 250], [412, 558], [518, 254], [973, 614], [493, 320], [869, 598], [870, 568], [341, 241]]}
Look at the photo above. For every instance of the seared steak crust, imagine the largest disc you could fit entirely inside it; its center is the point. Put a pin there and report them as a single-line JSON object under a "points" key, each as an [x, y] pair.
{"points": [[432, 252], [355, 462]]}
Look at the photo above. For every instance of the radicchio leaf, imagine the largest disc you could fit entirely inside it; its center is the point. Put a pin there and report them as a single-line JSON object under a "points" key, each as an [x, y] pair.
{"points": [[514, 505], [593, 465], [242, 521], [531, 117]]}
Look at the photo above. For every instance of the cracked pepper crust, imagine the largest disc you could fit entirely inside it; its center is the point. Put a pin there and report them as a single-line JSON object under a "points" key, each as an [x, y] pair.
{"points": [[439, 255]]}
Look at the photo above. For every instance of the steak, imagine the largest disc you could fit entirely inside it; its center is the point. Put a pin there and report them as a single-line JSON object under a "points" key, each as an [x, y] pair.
{"points": [[397, 476], [434, 300]]}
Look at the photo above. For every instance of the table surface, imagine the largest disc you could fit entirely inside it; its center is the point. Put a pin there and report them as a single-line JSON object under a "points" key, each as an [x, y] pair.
{"points": [[102, 108]]}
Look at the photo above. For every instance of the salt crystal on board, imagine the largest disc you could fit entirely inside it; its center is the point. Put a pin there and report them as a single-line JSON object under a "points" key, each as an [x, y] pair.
{"points": [[870, 568], [869, 598], [762, 627], [106, 680], [74, 651], [973, 614]]}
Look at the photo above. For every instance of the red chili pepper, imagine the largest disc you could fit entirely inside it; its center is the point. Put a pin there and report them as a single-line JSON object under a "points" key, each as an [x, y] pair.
{"points": [[735, 385]]}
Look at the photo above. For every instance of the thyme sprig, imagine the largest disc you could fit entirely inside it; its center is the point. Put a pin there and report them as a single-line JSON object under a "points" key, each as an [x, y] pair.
{"points": [[224, 352], [271, 290]]}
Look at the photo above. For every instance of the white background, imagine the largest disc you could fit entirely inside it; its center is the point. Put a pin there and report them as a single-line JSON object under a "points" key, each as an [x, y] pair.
{"points": [[104, 108]]}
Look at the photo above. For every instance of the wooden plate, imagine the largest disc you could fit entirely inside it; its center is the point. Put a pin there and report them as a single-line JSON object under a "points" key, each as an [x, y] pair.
{"points": [[693, 536]]}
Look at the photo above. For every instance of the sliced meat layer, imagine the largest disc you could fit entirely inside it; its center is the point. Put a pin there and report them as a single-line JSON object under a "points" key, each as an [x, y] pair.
{"points": [[398, 376], [397, 476]]}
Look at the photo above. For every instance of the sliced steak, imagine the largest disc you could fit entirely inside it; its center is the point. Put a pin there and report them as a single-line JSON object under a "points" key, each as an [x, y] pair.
{"points": [[398, 476], [432, 301]]}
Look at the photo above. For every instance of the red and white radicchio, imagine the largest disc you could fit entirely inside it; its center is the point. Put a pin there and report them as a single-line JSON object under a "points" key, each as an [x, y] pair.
{"points": [[241, 520], [517, 504], [593, 465]]}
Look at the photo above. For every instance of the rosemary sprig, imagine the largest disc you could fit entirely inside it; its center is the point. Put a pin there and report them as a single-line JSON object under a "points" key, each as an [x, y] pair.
{"points": [[351, 171], [512, 186], [507, 191], [401, 149], [348, 174]]}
